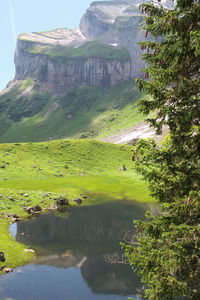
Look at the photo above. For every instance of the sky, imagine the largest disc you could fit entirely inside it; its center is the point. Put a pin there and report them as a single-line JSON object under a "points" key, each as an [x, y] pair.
{"points": [[20, 16]]}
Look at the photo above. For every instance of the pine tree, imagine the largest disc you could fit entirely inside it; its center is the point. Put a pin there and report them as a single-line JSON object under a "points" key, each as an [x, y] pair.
{"points": [[167, 251]]}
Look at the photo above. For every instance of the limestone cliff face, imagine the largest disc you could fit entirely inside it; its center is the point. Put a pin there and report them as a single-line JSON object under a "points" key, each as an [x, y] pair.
{"points": [[103, 52], [119, 22], [58, 76], [60, 66], [129, 35]]}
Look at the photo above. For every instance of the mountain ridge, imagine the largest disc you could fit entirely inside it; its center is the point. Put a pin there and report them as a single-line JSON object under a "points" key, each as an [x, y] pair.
{"points": [[112, 25], [76, 82]]}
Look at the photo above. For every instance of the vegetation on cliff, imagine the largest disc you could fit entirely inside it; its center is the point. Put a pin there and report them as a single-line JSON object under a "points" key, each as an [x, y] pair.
{"points": [[91, 49]]}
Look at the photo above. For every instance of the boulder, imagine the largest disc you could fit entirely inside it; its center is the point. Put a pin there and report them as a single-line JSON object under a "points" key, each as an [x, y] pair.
{"points": [[53, 206], [77, 200], [28, 209], [123, 168], [29, 251], [36, 208], [33, 209], [12, 216], [2, 256], [133, 141], [70, 116], [15, 220], [62, 201], [7, 270]]}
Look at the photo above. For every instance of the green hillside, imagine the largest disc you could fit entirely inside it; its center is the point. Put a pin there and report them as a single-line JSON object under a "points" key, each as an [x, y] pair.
{"points": [[92, 112], [70, 166], [30, 171]]}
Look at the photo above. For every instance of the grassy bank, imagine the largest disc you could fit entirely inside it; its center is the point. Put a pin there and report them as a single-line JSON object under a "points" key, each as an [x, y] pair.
{"points": [[30, 170]]}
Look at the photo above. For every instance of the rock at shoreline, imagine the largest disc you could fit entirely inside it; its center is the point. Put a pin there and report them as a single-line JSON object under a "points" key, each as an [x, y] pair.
{"points": [[77, 200], [33, 209], [7, 270], [53, 206], [62, 201], [14, 216], [2, 257], [29, 251]]}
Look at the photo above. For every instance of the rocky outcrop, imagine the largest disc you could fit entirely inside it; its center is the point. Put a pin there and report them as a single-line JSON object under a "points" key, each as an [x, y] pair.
{"points": [[129, 34], [118, 22], [59, 75]]}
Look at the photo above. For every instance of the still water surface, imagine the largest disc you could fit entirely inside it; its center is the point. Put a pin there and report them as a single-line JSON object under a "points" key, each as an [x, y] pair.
{"points": [[70, 252]]}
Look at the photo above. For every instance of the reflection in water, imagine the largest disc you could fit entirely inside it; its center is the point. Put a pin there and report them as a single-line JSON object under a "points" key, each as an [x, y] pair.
{"points": [[79, 242]]}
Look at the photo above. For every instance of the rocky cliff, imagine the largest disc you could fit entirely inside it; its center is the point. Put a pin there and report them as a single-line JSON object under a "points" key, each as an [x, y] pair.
{"points": [[77, 83], [103, 52], [58, 67], [120, 23], [117, 23]]}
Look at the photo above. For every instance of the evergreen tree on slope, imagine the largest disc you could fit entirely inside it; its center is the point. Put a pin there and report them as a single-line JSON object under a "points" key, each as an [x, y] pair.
{"points": [[167, 251]]}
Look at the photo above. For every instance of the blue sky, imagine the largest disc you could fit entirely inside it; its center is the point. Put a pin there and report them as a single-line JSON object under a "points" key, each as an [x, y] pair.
{"points": [[19, 16]]}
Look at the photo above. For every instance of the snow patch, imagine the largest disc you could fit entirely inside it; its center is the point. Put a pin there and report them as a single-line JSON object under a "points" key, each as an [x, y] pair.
{"points": [[143, 132], [80, 33], [114, 44]]}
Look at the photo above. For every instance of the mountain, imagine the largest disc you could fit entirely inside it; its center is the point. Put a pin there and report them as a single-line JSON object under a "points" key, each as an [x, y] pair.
{"points": [[76, 83], [101, 53]]}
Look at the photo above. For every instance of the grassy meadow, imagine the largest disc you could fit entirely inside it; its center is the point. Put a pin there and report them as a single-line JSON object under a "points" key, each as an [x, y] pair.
{"points": [[36, 173]]}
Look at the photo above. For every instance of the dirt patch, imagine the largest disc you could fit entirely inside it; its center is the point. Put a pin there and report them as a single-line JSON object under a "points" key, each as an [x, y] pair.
{"points": [[139, 131]]}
